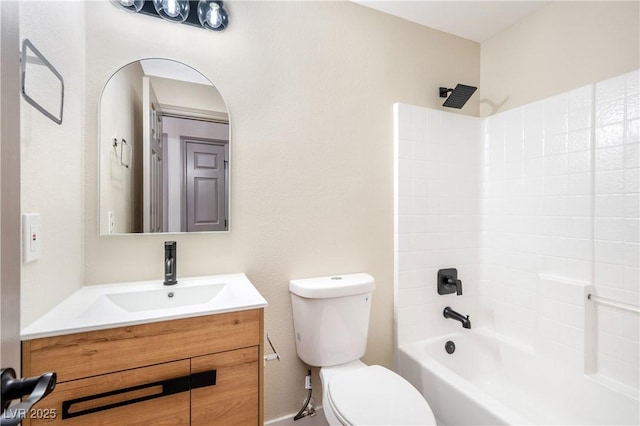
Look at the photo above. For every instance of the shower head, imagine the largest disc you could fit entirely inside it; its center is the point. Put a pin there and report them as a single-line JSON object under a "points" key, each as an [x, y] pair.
{"points": [[458, 97]]}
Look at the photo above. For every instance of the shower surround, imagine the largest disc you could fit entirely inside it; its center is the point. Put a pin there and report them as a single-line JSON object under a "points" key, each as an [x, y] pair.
{"points": [[537, 207]]}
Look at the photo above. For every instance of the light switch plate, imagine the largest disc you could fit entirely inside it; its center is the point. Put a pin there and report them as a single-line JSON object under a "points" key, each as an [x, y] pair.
{"points": [[31, 237]]}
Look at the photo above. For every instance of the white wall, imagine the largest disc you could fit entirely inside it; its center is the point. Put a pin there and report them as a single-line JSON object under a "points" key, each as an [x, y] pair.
{"points": [[558, 217], [537, 205], [437, 217], [52, 163], [561, 199], [120, 114], [616, 229]]}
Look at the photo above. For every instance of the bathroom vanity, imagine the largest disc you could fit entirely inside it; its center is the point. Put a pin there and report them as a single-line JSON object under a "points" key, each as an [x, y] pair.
{"points": [[199, 369]]}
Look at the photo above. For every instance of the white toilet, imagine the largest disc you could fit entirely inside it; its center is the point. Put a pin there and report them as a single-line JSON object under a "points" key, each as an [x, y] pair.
{"points": [[331, 320]]}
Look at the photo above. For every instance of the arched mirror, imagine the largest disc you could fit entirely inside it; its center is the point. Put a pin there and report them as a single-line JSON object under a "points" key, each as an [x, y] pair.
{"points": [[163, 151]]}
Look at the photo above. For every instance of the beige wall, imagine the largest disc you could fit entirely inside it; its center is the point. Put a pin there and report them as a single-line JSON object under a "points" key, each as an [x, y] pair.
{"points": [[182, 94], [120, 112], [564, 46], [310, 89], [52, 163]]}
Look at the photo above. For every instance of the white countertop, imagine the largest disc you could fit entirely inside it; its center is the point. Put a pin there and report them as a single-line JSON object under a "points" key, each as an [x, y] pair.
{"points": [[91, 307]]}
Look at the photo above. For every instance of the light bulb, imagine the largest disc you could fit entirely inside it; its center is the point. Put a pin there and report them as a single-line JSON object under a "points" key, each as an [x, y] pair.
{"points": [[172, 10], [212, 15]]}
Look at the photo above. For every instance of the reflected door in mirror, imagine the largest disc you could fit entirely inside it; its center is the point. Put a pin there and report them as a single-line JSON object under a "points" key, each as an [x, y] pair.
{"points": [[206, 176]]}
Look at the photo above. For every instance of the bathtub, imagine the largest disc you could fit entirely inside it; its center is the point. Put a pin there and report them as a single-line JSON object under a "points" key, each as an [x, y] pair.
{"points": [[489, 381]]}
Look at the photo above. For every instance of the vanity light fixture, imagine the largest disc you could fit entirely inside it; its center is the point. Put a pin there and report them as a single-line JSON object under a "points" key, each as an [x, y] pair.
{"points": [[207, 14]]}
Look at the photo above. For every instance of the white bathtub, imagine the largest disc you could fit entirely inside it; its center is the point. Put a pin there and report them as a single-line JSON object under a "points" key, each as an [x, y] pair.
{"points": [[488, 381]]}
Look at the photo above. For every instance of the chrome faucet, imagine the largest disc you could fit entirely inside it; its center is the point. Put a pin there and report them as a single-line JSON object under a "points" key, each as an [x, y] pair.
{"points": [[450, 313], [170, 262]]}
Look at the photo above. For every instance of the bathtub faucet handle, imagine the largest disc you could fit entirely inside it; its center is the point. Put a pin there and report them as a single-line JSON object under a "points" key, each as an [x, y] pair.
{"points": [[448, 282], [456, 283]]}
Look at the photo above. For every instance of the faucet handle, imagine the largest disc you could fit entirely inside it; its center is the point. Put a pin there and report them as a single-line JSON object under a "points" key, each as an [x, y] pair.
{"points": [[458, 284], [452, 281], [448, 282]]}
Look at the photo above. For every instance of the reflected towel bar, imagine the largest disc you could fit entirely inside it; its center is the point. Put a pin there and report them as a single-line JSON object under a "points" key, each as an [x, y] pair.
{"points": [[614, 303]]}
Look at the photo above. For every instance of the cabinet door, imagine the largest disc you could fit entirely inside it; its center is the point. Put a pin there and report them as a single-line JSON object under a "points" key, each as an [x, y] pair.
{"points": [[234, 400], [155, 395]]}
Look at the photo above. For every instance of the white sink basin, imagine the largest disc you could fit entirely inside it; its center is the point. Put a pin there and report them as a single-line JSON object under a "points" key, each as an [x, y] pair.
{"points": [[97, 307], [169, 297]]}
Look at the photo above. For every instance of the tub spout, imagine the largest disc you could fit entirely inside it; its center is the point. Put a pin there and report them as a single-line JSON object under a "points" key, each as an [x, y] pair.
{"points": [[450, 313]]}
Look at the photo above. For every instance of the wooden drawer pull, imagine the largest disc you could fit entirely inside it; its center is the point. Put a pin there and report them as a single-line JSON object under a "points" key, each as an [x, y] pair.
{"points": [[134, 394]]}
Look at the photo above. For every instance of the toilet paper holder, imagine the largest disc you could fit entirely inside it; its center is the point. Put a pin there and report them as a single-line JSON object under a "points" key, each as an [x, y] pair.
{"points": [[271, 357]]}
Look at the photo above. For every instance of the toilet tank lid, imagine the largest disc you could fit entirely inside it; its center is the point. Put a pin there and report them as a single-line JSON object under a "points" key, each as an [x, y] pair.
{"points": [[333, 286]]}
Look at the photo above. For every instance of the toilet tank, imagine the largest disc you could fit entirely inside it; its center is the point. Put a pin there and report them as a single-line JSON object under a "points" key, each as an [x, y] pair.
{"points": [[331, 317]]}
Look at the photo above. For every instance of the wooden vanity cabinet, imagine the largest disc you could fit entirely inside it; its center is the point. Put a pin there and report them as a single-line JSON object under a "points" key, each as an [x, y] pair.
{"points": [[195, 371]]}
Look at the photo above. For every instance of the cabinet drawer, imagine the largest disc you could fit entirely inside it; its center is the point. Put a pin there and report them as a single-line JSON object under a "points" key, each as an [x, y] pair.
{"points": [[75, 356], [88, 401], [234, 398]]}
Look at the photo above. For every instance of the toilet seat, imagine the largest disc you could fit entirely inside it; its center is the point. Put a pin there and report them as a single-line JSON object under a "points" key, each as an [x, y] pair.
{"points": [[374, 395]]}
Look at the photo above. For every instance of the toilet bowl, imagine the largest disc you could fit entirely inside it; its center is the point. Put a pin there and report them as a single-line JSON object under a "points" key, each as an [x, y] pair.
{"points": [[358, 394], [331, 319]]}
